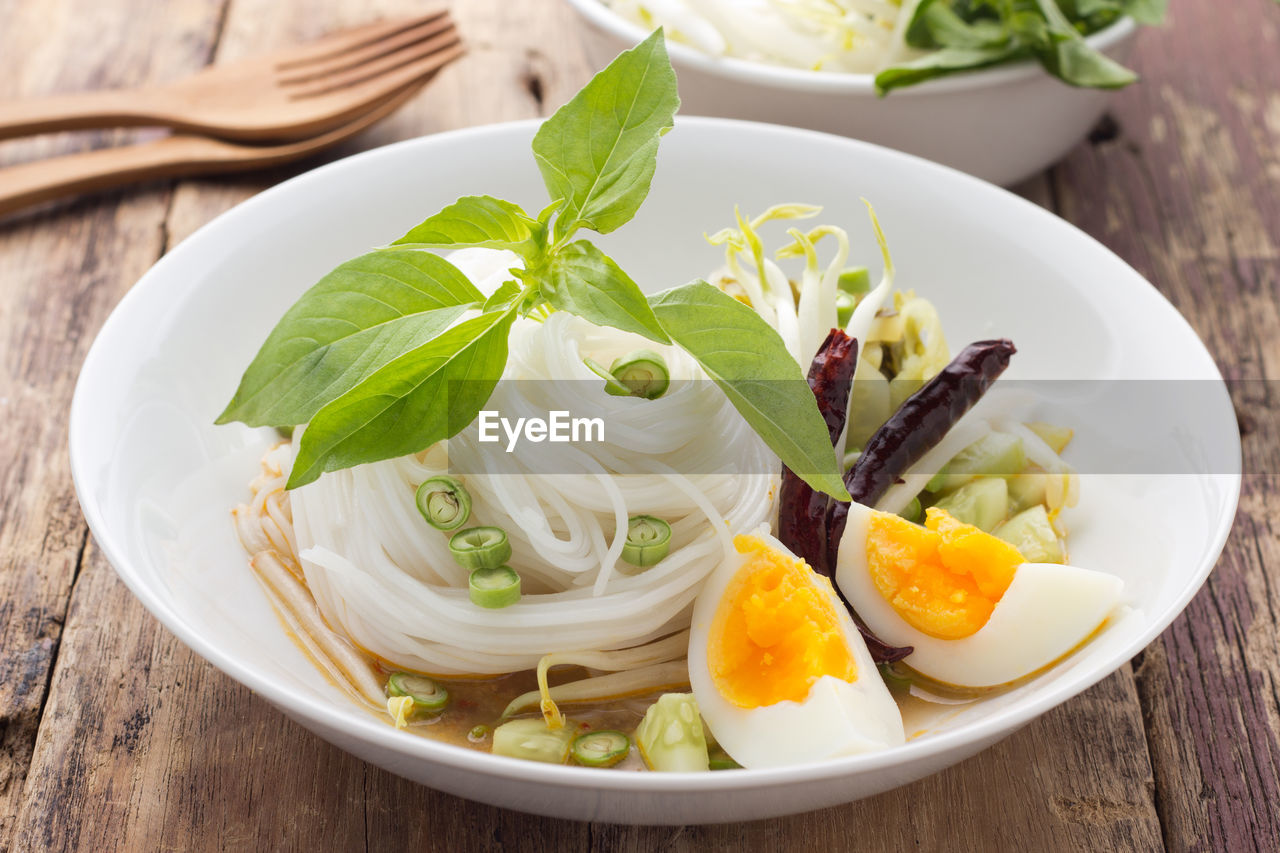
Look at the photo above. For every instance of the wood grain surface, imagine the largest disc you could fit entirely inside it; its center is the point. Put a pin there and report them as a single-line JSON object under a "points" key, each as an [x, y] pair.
{"points": [[113, 736]]}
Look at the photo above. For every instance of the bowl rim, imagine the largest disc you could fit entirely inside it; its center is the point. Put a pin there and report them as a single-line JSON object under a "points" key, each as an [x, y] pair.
{"points": [[831, 82], [374, 733]]}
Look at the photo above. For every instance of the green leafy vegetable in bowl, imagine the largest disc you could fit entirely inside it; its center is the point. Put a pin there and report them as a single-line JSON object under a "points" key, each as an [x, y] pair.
{"points": [[962, 35], [902, 42]]}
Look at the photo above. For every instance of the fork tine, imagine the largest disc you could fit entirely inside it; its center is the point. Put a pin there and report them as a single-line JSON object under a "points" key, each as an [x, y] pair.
{"points": [[377, 49], [273, 154], [335, 44], [375, 79]]}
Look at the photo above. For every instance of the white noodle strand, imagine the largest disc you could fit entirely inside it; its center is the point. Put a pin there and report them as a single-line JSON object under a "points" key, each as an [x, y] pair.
{"points": [[386, 579]]}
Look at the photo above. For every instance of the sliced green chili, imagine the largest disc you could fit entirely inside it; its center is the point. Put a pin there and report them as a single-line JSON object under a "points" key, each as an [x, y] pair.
{"points": [[480, 547], [494, 588], [644, 373], [648, 540], [600, 749], [852, 283], [428, 696], [444, 502], [611, 385]]}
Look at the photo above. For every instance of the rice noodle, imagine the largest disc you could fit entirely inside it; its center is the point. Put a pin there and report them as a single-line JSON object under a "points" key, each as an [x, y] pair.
{"points": [[614, 685], [387, 580], [640, 660], [344, 665]]}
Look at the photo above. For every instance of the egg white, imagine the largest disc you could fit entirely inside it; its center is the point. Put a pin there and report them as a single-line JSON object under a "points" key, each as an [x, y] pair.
{"points": [[1047, 611], [836, 718]]}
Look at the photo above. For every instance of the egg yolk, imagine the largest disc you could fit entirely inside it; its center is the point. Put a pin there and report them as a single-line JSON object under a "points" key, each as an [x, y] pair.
{"points": [[776, 630], [943, 578]]}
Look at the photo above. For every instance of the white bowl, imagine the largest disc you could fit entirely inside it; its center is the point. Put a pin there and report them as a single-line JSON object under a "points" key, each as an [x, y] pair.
{"points": [[156, 478], [1002, 124]]}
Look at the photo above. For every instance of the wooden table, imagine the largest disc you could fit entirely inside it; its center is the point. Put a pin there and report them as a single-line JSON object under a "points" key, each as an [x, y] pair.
{"points": [[115, 737]]}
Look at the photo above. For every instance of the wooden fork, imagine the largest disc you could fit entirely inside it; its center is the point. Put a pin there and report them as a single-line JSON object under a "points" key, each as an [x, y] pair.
{"points": [[174, 156], [290, 94]]}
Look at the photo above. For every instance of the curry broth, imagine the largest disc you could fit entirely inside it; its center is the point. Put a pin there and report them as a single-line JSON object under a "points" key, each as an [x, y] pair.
{"points": [[481, 701]]}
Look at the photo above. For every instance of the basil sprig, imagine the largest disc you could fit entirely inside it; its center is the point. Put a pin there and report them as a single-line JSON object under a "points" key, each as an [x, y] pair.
{"points": [[963, 35], [362, 315], [378, 360]]}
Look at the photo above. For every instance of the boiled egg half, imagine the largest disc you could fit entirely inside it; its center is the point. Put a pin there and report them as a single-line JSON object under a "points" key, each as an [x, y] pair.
{"points": [[779, 670], [975, 613]]}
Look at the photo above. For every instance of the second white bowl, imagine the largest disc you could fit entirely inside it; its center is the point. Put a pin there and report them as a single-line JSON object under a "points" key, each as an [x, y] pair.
{"points": [[1001, 124]]}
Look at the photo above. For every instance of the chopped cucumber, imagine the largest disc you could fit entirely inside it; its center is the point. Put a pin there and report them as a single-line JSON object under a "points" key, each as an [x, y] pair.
{"points": [[913, 512], [995, 454], [1027, 489], [533, 741], [983, 502], [670, 736], [1031, 532], [1055, 436]]}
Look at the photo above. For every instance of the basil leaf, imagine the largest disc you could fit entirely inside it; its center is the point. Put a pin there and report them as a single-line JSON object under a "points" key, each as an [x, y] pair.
{"points": [[916, 33], [949, 30], [972, 34], [1031, 29], [1142, 11], [1087, 8], [1145, 11], [1070, 58], [583, 280], [1075, 62], [477, 220], [937, 25], [425, 395], [747, 359], [502, 298], [598, 152], [948, 60], [357, 318]]}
